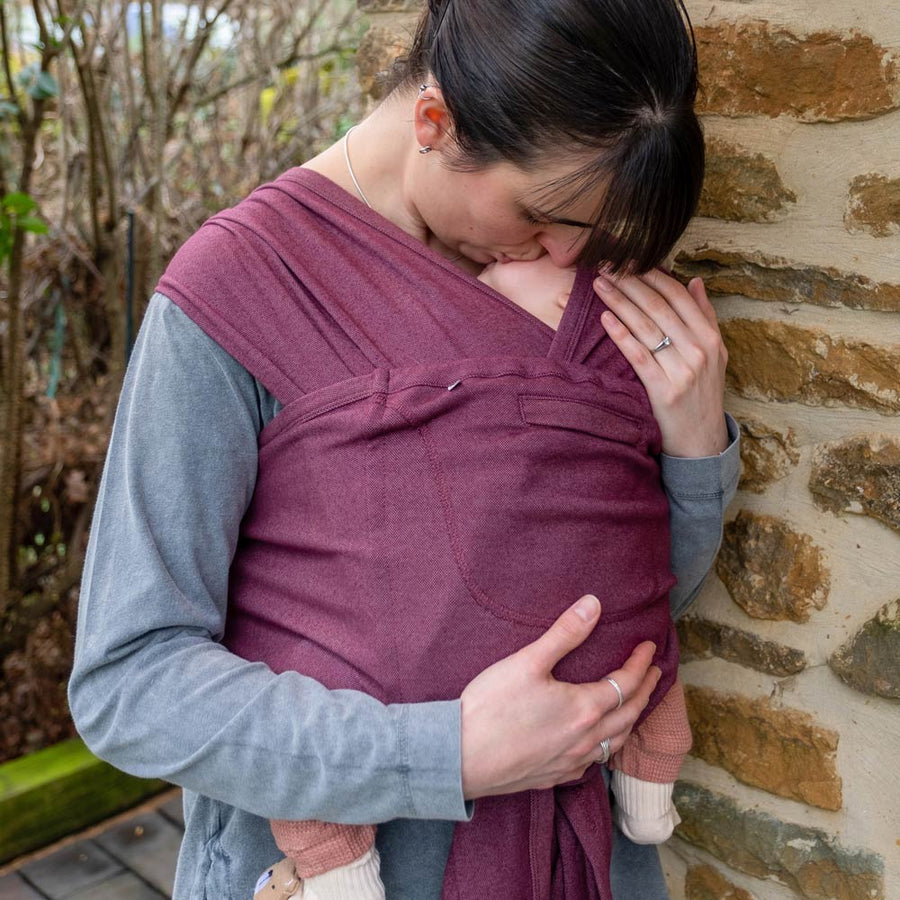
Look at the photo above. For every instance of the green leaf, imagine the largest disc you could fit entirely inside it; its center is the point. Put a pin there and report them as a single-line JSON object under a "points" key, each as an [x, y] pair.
{"points": [[18, 204], [37, 83], [47, 85], [8, 109], [32, 224]]}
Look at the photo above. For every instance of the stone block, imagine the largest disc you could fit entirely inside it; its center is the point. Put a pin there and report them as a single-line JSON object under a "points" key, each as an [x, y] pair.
{"points": [[741, 186], [378, 50], [770, 360], [808, 860], [782, 751], [708, 883], [874, 205], [752, 68], [870, 661], [380, 6], [765, 277], [860, 475], [702, 638], [767, 454], [770, 570]]}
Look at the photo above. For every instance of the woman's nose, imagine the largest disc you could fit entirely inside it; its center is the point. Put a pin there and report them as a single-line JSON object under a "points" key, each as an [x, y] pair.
{"points": [[562, 250]]}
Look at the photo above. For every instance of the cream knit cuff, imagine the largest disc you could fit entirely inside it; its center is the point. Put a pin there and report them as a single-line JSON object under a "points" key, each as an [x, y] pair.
{"points": [[358, 880], [644, 810]]}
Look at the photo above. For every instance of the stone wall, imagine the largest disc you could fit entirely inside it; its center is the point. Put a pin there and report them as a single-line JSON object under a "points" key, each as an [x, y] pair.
{"points": [[791, 656]]}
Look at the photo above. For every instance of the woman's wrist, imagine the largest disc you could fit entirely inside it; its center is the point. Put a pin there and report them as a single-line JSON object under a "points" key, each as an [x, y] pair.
{"points": [[704, 442]]}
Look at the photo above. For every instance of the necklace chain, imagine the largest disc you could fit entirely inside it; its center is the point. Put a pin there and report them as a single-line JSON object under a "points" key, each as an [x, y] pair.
{"points": [[350, 168], [360, 190]]}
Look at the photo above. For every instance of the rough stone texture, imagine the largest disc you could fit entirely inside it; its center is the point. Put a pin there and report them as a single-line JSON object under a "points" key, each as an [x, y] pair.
{"points": [[708, 883], [770, 360], [782, 751], [860, 475], [807, 860], [377, 6], [377, 52], [874, 205], [870, 662], [741, 186], [767, 454], [770, 570], [765, 277], [701, 638], [752, 68]]}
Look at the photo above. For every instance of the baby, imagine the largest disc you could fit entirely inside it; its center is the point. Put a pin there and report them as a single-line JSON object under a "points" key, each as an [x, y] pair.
{"points": [[324, 861]]}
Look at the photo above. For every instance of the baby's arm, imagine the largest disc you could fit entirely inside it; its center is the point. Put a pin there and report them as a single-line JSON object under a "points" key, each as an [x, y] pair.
{"points": [[645, 769], [331, 862]]}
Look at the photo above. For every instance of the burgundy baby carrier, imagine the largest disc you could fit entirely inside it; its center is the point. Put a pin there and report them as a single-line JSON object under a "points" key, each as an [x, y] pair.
{"points": [[448, 475]]}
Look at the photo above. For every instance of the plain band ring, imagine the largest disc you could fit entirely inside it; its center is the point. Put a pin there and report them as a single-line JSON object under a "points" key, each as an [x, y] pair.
{"points": [[604, 747], [665, 342], [615, 684]]}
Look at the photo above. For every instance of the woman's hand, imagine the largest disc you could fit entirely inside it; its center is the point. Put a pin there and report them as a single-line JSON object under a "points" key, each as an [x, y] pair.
{"points": [[522, 729], [685, 381]]}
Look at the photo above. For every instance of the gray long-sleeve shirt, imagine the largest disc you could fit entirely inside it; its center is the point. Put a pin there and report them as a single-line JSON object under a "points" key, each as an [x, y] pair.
{"points": [[154, 693]]}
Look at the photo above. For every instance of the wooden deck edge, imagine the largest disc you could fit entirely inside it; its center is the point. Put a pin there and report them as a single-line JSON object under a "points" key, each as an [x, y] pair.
{"points": [[54, 792]]}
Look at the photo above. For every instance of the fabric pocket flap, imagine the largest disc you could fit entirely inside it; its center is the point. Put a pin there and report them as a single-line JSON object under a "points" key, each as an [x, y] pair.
{"points": [[580, 415]]}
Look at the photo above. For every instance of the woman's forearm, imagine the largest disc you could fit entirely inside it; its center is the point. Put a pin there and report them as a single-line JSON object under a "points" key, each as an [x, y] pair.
{"points": [[152, 690]]}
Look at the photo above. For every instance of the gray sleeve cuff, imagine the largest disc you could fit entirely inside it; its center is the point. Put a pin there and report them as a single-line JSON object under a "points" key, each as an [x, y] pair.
{"points": [[433, 760], [705, 477]]}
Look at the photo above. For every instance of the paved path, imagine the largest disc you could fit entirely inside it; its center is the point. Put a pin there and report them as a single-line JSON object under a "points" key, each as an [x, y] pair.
{"points": [[130, 858]]}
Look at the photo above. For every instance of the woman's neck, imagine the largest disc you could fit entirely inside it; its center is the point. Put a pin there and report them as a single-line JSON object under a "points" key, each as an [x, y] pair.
{"points": [[382, 149]]}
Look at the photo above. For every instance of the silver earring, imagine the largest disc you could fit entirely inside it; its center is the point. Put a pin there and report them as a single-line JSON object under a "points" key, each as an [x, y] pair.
{"points": [[425, 149]]}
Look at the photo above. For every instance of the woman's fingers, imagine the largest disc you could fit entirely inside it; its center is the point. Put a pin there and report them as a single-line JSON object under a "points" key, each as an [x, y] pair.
{"points": [[642, 310], [641, 358], [655, 304], [636, 679], [564, 635], [617, 723], [691, 304], [615, 727]]}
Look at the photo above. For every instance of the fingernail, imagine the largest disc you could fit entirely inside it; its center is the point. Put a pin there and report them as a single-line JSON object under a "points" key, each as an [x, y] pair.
{"points": [[602, 283], [588, 607]]}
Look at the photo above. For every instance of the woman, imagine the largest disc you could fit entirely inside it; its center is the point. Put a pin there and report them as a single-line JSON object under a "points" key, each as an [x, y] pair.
{"points": [[575, 138]]}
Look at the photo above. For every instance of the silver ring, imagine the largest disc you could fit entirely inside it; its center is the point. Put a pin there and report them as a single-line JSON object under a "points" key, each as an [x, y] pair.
{"points": [[604, 746], [665, 342], [615, 684]]}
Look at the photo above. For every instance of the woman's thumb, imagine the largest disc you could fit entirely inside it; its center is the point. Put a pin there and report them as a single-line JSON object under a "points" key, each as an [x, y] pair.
{"points": [[567, 632]]}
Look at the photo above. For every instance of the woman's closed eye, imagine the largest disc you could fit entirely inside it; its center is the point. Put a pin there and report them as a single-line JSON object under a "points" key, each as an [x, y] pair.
{"points": [[535, 217], [532, 217]]}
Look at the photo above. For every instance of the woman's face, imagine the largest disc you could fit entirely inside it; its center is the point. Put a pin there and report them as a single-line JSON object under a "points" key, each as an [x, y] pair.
{"points": [[501, 212]]}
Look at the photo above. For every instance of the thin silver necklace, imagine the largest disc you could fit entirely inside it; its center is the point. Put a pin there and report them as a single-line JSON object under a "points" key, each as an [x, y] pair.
{"points": [[350, 168], [360, 190]]}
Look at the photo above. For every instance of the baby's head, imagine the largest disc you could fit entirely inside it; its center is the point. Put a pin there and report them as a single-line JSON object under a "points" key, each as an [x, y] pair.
{"points": [[535, 284]]}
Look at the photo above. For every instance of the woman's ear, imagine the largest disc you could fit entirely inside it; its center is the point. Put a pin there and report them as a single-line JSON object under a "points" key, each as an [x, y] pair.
{"points": [[432, 122]]}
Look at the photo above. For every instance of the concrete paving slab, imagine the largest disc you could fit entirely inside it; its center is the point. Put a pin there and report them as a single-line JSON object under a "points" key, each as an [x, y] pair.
{"points": [[14, 887], [147, 845], [126, 886], [74, 868]]}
